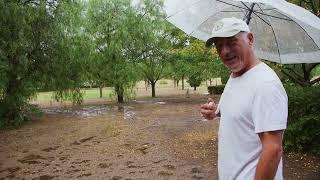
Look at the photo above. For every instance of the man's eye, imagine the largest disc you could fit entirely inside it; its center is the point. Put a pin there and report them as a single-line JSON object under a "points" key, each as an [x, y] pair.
{"points": [[233, 41]]}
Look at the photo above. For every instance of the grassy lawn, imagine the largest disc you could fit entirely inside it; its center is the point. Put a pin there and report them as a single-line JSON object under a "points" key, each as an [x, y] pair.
{"points": [[88, 94], [94, 92]]}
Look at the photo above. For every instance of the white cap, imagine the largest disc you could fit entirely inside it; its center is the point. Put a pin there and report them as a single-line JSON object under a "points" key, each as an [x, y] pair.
{"points": [[227, 27]]}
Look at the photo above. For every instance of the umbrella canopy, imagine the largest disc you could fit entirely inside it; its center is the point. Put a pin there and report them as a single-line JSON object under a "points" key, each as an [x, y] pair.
{"points": [[284, 33]]}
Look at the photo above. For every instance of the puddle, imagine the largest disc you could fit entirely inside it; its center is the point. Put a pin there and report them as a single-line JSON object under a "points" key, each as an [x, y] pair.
{"points": [[150, 102], [161, 103], [128, 113], [93, 111]]}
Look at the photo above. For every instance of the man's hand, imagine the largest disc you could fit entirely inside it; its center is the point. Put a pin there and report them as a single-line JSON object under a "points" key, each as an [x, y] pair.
{"points": [[208, 110]]}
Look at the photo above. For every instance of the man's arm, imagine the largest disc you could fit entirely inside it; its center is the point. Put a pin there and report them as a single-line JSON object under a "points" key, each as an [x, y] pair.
{"points": [[270, 155]]}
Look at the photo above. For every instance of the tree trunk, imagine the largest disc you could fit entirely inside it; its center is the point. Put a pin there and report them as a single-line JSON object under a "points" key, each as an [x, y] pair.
{"points": [[178, 83], [306, 75], [120, 98], [153, 87], [195, 88], [183, 82], [100, 88], [13, 100], [146, 84], [210, 81], [119, 91]]}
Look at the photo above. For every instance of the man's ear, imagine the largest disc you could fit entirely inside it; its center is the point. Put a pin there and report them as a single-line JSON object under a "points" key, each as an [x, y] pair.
{"points": [[250, 38]]}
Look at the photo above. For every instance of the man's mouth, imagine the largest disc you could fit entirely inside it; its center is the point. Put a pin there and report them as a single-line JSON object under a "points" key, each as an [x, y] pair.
{"points": [[230, 59]]}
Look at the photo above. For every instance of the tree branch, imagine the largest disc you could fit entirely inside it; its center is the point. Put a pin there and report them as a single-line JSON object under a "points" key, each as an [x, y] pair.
{"points": [[315, 80], [309, 67], [294, 72], [293, 78]]}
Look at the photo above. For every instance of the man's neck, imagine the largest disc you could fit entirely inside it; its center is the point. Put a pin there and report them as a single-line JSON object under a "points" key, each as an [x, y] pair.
{"points": [[253, 63]]}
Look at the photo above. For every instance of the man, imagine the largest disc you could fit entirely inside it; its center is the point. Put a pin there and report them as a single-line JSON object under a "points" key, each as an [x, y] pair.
{"points": [[253, 108]]}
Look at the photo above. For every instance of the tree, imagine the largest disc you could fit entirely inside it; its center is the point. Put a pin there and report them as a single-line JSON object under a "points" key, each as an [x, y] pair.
{"points": [[195, 79], [69, 68], [179, 66], [109, 29], [149, 40], [34, 51], [177, 60], [312, 5], [198, 63]]}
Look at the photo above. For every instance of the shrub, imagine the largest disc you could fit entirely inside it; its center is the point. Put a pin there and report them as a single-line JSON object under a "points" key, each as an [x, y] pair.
{"points": [[163, 82], [303, 129], [195, 81], [216, 89]]}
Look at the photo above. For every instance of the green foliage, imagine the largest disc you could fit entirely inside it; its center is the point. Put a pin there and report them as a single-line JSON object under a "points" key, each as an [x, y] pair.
{"points": [[163, 82], [303, 129], [195, 80], [312, 5], [23, 45], [109, 24], [220, 70], [196, 58], [40, 49], [150, 38], [316, 71]]}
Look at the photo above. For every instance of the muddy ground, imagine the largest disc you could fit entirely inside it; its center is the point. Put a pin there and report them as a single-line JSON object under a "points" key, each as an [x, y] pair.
{"points": [[160, 138]]}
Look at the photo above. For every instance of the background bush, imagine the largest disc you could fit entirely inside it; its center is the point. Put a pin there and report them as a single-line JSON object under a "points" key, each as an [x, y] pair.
{"points": [[303, 130], [216, 89]]}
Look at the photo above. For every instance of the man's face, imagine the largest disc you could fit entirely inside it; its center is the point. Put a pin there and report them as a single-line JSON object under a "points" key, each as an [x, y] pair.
{"points": [[234, 51]]}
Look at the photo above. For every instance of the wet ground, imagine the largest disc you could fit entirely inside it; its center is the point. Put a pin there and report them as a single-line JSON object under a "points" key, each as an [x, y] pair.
{"points": [[161, 138]]}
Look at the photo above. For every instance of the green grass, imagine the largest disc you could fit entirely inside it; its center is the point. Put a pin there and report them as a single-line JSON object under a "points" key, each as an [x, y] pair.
{"points": [[88, 94]]}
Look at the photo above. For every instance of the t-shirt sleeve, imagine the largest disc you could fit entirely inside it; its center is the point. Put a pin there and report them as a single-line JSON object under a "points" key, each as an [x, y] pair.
{"points": [[270, 108]]}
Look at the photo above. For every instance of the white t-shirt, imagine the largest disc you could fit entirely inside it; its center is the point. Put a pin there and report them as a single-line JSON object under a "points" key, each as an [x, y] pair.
{"points": [[252, 103]]}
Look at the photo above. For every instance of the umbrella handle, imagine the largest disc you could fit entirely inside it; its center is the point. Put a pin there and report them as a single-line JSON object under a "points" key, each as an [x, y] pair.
{"points": [[248, 16]]}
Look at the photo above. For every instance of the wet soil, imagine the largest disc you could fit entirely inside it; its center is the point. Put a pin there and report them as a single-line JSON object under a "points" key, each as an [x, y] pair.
{"points": [[160, 138]]}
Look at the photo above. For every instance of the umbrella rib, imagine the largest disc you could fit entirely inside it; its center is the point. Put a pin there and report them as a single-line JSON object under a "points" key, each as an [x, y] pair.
{"points": [[230, 11], [183, 9], [248, 13], [274, 37], [307, 34], [231, 4], [300, 27], [268, 9], [200, 25], [261, 19], [263, 12], [214, 14], [273, 16]]}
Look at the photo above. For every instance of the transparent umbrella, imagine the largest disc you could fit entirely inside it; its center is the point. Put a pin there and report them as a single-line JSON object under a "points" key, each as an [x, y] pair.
{"points": [[284, 33]]}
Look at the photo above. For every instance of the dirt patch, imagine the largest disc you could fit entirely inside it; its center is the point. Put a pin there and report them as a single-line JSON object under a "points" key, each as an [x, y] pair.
{"points": [[161, 138]]}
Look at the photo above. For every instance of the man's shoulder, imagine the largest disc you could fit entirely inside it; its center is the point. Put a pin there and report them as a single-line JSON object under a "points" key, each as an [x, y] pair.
{"points": [[264, 74]]}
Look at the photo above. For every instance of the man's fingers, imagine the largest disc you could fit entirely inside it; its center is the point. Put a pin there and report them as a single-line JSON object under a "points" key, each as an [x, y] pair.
{"points": [[206, 111], [211, 102], [207, 106]]}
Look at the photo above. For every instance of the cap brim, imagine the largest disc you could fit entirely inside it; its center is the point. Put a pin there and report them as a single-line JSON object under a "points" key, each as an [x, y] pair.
{"points": [[209, 42]]}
